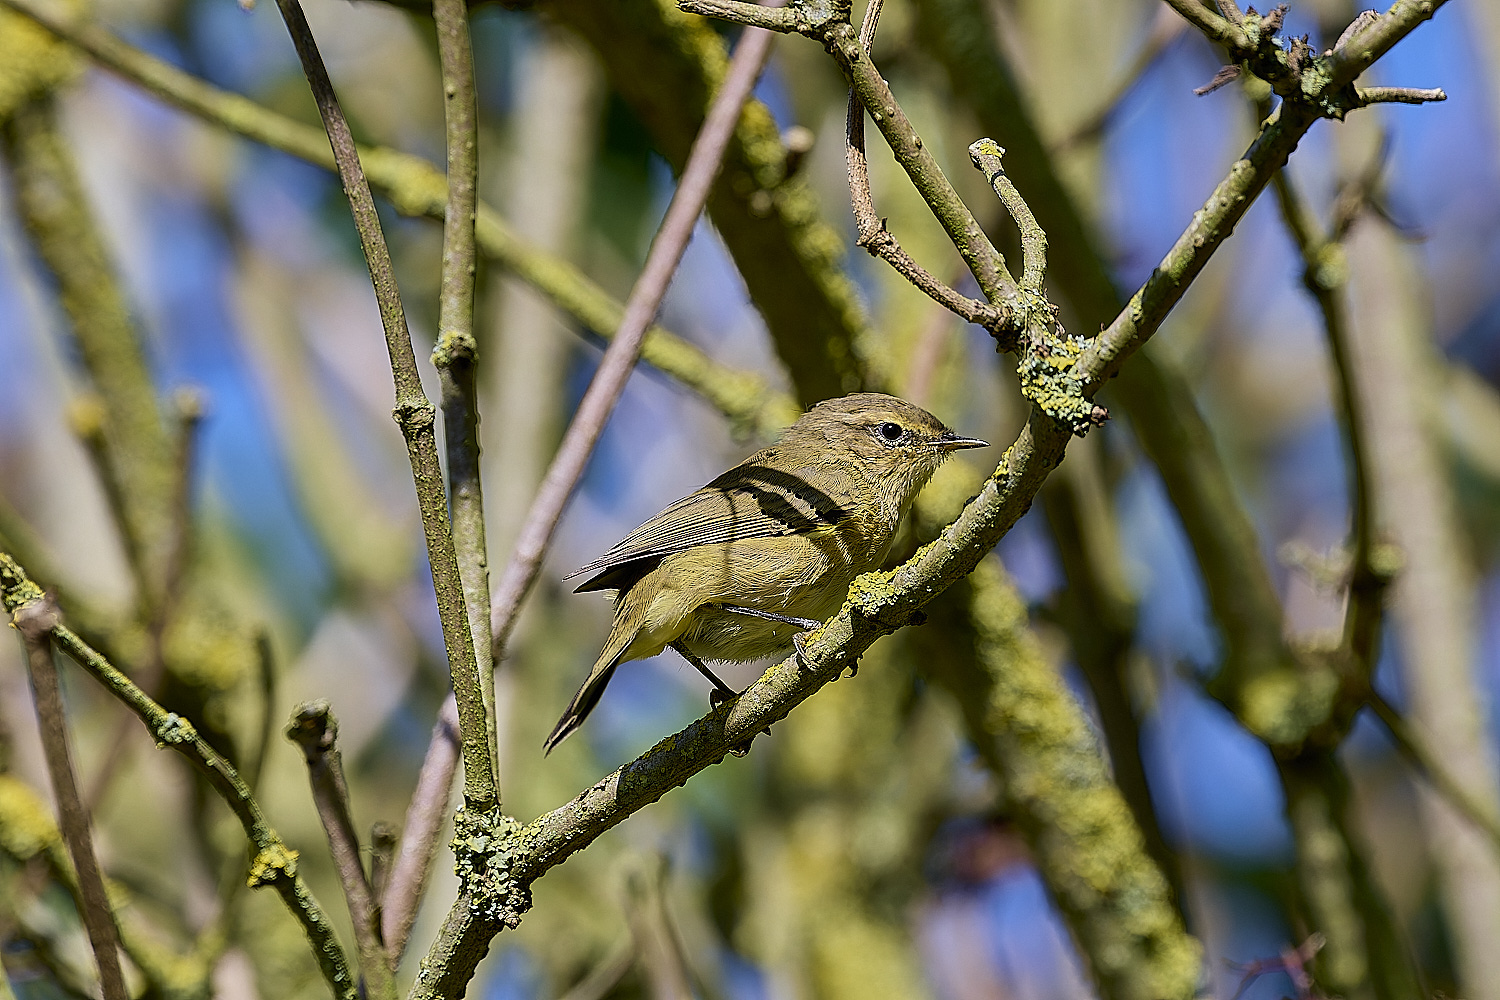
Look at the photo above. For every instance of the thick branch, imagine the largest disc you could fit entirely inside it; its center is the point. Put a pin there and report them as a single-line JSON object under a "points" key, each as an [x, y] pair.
{"points": [[273, 864], [414, 413]]}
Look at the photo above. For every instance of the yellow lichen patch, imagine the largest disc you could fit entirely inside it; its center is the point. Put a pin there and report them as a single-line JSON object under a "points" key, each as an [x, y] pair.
{"points": [[274, 862]]}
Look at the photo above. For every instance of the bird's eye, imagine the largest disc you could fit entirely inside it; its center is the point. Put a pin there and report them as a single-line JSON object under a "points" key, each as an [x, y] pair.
{"points": [[890, 432]]}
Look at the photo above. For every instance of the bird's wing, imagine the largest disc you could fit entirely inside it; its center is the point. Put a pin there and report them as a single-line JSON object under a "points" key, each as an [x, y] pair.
{"points": [[749, 501]]}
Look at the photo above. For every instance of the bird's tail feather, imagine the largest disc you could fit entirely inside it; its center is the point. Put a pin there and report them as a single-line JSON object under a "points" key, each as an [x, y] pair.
{"points": [[582, 704], [593, 685]]}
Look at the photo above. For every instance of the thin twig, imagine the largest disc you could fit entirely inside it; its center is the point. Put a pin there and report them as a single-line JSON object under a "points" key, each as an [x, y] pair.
{"points": [[1399, 95], [188, 407], [1324, 275], [873, 234], [274, 864], [1218, 28], [35, 621], [414, 412], [1431, 767], [456, 353], [605, 976], [986, 154], [383, 839], [619, 358], [314, 729], [416, 187], [830, 25], [419, 836]]}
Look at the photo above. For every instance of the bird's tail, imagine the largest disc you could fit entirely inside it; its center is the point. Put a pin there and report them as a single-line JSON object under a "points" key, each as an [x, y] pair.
{"points": [[582, 704], [593, 685]]}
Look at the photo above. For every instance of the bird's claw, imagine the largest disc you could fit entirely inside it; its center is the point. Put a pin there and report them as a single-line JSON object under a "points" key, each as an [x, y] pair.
{"points": [[799, 641]]}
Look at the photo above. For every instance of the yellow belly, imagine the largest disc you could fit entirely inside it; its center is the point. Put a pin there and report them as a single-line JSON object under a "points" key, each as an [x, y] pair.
{"points": [[801, 576]]}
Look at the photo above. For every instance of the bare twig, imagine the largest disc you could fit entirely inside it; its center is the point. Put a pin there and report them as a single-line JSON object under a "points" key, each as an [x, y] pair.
{"points": [[1431, 767], [1399, 95], [383, 840], [419, 836], [416, 187], [35, 621], [414, 412], [986, 154], [605, 976], [314, 729], [188, 407], [620, 357], [873, 234], [456, 352], [1218, 28], [274, 864], [1324, 275], [615, 367]]}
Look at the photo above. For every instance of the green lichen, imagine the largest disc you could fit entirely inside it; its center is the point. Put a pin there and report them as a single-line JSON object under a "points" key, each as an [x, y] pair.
{"points": [[1046, 368], [174, 730], [1080, 828], [486, 848]]}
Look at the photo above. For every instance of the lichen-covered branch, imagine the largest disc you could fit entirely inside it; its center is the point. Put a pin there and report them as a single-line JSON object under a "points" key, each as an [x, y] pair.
{"points": [[415, 415], [133, 441], [1080, 830], [273, 863]]}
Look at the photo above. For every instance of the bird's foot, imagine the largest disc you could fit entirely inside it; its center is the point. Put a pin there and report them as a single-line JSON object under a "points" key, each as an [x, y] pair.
{"points": [[799, 641]]}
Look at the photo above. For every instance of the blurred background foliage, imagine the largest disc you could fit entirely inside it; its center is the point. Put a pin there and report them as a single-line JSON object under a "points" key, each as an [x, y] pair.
{"points": [[866, 848]]}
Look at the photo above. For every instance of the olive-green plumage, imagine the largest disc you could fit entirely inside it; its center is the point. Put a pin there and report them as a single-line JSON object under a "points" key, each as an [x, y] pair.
{"points": [[783, 533]]}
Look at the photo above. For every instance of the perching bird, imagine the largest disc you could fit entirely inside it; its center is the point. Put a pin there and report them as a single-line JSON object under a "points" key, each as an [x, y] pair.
{"points": [[738, 569]]}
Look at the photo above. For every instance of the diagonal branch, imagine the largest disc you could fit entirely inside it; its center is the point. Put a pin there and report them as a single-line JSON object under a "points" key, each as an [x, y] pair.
{"points": [[873, 234], [414, 412], [416, 187], [273, 864]]}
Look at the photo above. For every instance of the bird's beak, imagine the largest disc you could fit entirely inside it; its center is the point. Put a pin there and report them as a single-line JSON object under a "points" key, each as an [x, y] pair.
{"points": [[952, 442]]}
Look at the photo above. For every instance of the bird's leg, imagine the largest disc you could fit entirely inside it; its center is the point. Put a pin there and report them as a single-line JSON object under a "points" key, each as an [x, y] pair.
{"points": [[722, 692], [806, 624]]}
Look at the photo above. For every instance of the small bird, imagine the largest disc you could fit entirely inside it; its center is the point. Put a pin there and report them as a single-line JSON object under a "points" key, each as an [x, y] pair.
{"points": [[741, 568]]}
